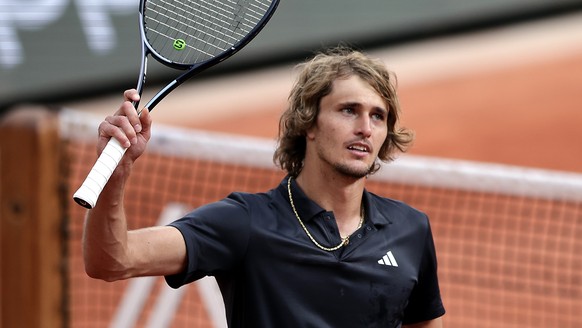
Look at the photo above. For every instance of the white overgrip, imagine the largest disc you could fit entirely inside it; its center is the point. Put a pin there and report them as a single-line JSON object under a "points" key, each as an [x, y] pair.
{"points": [[91, 188]]}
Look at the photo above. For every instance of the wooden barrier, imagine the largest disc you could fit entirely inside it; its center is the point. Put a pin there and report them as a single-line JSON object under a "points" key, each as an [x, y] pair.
{"points": [[31, 250]]}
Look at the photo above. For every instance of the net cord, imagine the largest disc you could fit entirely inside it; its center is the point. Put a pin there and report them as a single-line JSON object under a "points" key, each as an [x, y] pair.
{"points": [[408, 169]]}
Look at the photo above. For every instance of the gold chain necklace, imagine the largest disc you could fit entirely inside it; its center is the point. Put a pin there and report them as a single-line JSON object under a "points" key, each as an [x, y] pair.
{"points": [[345, 240]]}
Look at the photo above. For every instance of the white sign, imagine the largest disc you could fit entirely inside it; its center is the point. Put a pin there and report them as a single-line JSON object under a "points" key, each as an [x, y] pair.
{"points": [[94, 15]]}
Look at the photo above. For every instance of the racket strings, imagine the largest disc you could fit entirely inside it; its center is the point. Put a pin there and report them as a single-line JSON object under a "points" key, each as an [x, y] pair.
{"points": [[189, 32], [185, 23]]}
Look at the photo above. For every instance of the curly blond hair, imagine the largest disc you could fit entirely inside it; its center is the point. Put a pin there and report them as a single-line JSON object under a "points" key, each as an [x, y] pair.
{"points": [[314, 82]]}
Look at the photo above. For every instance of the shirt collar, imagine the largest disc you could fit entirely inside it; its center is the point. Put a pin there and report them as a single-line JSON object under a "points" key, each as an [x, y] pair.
{"points": [[373, 212], [308, 209]]}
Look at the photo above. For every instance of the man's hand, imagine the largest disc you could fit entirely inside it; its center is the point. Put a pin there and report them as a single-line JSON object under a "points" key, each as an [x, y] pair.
{"points": [[130, 129]]}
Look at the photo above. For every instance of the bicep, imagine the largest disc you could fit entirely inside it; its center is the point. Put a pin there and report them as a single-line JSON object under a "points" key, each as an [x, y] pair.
{"points": [[157, 251]]}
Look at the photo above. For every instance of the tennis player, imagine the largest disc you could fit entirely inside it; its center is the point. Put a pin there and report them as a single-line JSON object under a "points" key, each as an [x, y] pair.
{"points": [[318, 250]]}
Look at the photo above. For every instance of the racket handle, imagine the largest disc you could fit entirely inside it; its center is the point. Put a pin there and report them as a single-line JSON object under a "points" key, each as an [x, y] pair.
{"points": [[91, 188]]}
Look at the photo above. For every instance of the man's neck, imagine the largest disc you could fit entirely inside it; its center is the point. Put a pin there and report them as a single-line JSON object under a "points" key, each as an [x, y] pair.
{"points": [[337, 193]]}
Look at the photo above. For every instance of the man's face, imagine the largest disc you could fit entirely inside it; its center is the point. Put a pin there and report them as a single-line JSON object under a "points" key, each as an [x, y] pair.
{"points": [[350, 128]]}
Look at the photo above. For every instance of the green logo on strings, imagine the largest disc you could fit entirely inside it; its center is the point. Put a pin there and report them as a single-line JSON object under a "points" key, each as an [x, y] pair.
{"points": [[179, 44]]}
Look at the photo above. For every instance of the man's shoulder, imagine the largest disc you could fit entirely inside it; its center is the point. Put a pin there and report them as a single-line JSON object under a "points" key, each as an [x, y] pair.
{"points": [[251, 199], [396, 210], [391, 202], [251, 196]]}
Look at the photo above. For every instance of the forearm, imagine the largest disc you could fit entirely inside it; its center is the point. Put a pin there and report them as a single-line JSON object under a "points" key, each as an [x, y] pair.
{"points": [[111, 252], [106, 251], [105, 248]]}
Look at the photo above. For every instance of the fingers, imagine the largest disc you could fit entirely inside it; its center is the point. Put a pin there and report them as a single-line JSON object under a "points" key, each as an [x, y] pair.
{"points": [[128, 109], [145, 121], [131, 95], [126, 123], [118, 127]]}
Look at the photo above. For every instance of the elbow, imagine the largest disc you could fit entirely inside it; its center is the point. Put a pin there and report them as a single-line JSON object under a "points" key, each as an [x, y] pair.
{"points": [[98, 272], [104, 270]]}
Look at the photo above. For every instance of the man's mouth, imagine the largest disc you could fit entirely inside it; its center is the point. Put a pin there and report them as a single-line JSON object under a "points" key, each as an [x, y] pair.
{"points": [[359, 147]]}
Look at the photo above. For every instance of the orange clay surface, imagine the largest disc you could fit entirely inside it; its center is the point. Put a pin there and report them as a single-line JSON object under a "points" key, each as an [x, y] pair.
{"points": [[528, 116], [509, 95]]}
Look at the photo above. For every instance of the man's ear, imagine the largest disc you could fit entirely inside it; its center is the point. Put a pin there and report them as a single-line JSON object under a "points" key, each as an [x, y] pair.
{"points": [[310, 133]]}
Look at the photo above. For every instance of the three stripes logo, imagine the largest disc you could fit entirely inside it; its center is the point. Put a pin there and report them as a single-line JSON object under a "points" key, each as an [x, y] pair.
{"points": [[388, 260]]}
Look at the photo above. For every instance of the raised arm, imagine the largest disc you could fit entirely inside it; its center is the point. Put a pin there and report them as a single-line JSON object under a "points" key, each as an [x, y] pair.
{"points": [[110, 251]]}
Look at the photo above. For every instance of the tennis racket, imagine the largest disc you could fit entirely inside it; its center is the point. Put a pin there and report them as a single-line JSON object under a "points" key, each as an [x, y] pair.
{"points": [[190, 35]]}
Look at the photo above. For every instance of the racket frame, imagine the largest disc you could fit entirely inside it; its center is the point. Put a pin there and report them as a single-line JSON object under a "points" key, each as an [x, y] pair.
{"points": [[194, 69], [88, 194]]}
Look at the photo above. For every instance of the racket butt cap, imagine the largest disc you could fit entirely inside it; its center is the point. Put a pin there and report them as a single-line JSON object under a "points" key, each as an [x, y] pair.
{"points": [[83, 200]]}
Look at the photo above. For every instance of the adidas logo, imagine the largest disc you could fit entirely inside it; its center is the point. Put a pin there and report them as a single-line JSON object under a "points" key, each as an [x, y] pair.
{"points": [[388, 260]]}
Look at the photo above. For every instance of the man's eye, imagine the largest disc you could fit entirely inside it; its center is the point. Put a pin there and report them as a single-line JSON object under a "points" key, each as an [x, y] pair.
{"points": [[378, 117], [348, 110]]}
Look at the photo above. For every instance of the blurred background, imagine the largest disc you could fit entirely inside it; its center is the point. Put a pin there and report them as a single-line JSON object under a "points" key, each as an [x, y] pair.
{"points": [[485, 81]]}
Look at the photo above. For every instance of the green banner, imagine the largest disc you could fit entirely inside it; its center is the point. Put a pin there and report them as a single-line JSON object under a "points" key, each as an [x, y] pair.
{"points": [[56, 49]]}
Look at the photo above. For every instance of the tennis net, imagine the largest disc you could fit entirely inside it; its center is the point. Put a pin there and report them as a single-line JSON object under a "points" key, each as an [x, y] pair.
{"points": [[506, 237]]}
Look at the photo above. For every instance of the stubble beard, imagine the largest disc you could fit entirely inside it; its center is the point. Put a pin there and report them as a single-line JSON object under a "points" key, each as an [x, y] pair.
{"points": [[352, 172], [349, 171]]}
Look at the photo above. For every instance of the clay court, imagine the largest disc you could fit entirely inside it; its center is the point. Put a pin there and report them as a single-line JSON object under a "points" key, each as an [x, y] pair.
{"points": [[528, 115], [523, 109], [510, 95]]}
